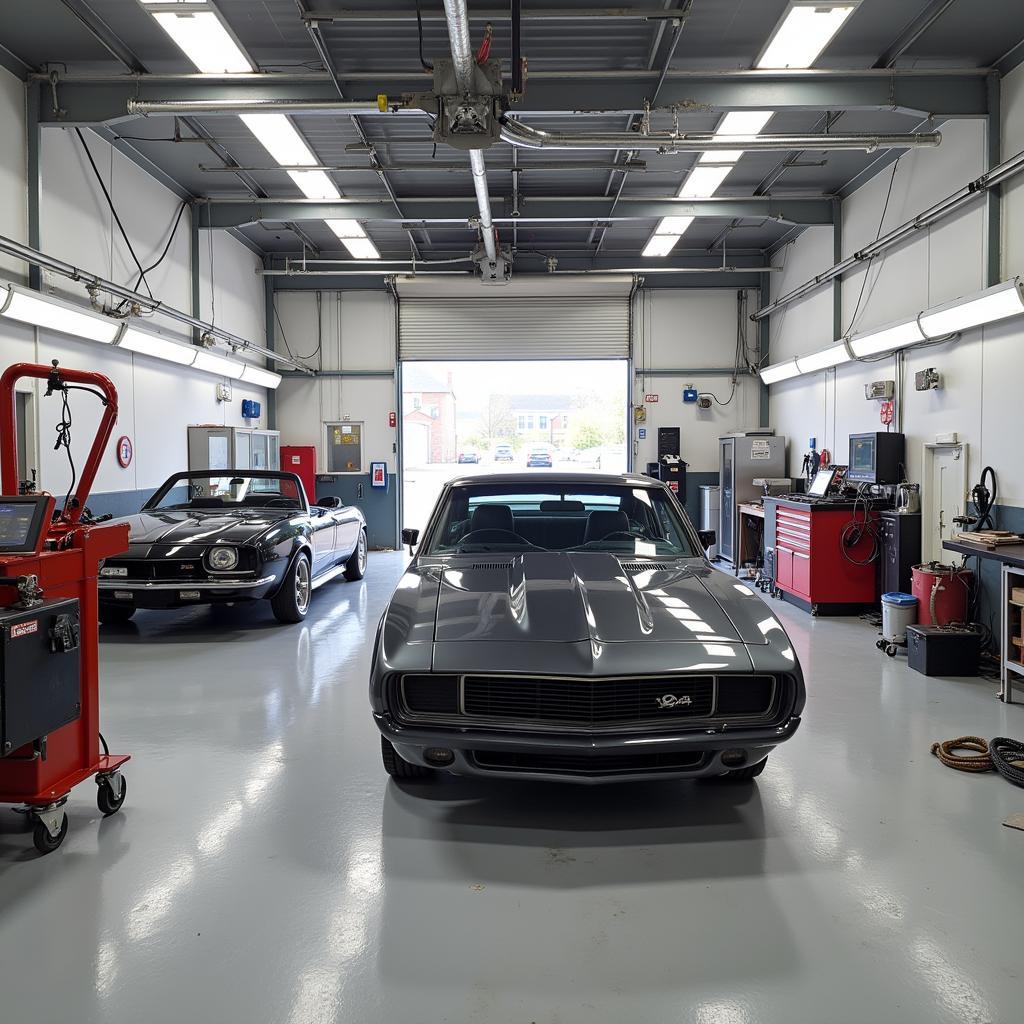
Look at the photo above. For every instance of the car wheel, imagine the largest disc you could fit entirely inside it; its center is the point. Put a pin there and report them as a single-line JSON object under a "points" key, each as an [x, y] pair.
{"points": [[113, 614], [396, 767], [355, 567], [751, 771], [291, 602]]}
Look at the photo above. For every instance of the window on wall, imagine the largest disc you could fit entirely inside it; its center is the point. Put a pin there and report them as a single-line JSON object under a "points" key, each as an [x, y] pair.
{"points": [[416, 402], [529, 421], [343, 447], [542, 422], [521, 422]]}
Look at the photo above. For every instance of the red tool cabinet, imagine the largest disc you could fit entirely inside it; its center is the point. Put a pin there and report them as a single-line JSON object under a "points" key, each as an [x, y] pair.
{"points": [[811, 562]]}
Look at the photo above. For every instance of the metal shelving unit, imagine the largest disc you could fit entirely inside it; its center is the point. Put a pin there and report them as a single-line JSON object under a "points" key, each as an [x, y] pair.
{"points": [[1011, 662]]}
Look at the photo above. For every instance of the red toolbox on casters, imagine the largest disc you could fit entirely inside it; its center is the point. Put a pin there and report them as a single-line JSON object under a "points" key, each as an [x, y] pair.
{"points": [[49, 632]]}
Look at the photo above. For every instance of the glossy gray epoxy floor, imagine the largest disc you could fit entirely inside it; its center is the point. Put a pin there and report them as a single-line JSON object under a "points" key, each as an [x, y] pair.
{"points": [[263, 869]]}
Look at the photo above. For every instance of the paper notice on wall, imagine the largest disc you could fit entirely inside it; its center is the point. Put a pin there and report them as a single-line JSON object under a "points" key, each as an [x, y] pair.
{"points": [[219, 452], [760, 450]]}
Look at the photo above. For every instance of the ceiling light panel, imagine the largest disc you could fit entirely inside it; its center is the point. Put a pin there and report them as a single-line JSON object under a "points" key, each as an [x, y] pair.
{"points": [[780, 371], [347, 228], [885, 339], [703, 180], [660, 245], [736, 122], [54, 314], [673, 225], [803, 33], [280, 138], [824, 359], [985, 307], [146, 344], [204, 39], [361, 248]]}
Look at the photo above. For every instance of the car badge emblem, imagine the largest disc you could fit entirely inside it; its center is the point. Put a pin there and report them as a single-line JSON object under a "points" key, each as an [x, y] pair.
{"points": [[187, 567], [670, 700]]}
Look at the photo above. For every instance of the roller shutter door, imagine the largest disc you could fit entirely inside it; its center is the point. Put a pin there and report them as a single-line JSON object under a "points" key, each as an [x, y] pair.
{"points": [[493, 326]]}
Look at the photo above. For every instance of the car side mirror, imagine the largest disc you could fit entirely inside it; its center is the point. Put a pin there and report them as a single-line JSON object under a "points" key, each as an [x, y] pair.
{"points": [[330, 501], [410, 537], [707, 538]]}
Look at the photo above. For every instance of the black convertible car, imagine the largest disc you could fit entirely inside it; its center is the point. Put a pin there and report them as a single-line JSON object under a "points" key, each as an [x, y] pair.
{"points": [[220, 536], [569, 627]]}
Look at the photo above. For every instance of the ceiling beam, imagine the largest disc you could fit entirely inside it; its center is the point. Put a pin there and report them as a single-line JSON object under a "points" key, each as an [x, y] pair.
{"points": [[224, 213], [105, 35], [620, 13], [952, 93]]}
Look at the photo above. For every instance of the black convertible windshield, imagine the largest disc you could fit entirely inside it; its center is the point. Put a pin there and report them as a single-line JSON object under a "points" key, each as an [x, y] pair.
{"points": [[217, 491], [618, 518]]}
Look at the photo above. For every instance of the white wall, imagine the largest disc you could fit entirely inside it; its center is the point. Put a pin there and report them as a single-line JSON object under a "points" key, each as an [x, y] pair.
{"points": [[686, 329], [358, 330], [157, 401], [980, 370]]}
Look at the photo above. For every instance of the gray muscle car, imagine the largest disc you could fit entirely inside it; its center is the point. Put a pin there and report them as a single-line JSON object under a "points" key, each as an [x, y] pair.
{"points": [[569, 627], [221, 536]]}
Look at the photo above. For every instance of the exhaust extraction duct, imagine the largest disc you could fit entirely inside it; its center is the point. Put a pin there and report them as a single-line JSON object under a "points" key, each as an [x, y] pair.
{"points": [[518, 134], [462, 64]]}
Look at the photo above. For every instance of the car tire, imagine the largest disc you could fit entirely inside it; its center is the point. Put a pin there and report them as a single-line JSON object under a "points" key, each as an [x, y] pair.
{"points": [[396, 767], [355, 567], [751, 771], [291, 602], [115, 614]]}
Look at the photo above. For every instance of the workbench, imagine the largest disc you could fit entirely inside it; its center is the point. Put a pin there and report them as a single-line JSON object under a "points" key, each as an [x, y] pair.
{"points": [[1010, 558]]}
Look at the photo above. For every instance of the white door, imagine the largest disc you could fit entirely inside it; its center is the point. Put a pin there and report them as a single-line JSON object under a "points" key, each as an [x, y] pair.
{"points": [[416, 445], [944, 496]]}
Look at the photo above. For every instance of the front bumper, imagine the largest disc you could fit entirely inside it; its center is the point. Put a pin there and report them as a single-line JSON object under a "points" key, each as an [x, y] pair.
{"points": [[181, 593], [615, 758]]}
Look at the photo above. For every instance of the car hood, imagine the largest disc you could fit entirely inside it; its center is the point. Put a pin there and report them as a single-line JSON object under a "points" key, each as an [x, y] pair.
{"points": [[148, 528], [571, 597]]}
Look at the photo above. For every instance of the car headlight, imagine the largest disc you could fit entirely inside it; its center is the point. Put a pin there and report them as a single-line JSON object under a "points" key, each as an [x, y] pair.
{"points": [[222, 559]]}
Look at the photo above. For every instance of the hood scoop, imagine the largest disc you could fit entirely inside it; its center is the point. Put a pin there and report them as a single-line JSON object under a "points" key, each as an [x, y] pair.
{"points": [[491, 565], [644, 566]]}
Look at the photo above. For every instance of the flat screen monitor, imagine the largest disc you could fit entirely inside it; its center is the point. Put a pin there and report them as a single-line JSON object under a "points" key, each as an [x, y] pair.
{"points": [[22, 521], [862, 456], [821, 483], [876, 458]]}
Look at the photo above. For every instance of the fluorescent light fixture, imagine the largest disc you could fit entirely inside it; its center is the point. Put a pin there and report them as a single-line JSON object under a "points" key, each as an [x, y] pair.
{"points": [[260, 377], [660, 245], [347, 228], [220, 365], [361, 248], [153, 345], [887, 338], [736, 122], [703, 180], [822, 360], [281, 139], [803, 32], [57, 315], [779, 371], [673, 225], [204, 39], [985, 307]]}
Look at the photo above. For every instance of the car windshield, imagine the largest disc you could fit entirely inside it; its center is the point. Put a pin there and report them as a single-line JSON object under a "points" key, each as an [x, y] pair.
{"points": [[225, 489], [622, 518]]}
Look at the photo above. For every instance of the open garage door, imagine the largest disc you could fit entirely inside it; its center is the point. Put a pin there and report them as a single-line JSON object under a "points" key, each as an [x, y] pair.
{"points": [[571, 318]]}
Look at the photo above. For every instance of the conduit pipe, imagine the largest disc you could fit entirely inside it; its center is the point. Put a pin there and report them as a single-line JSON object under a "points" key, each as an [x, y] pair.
{"points": [[464, 66], [517, 133], [381, 105], [40, 259], [1000, 173]]}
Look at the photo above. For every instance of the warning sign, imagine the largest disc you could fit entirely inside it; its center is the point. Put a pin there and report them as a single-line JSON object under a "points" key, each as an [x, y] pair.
{"points": [[24, 628], [760, 450]]}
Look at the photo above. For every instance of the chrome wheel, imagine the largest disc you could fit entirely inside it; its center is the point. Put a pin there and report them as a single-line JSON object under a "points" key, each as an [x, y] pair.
{"points": [[361, 554], [302, 589]]}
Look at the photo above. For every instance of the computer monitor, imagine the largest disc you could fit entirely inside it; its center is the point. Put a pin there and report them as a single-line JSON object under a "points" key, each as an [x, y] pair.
{"points": [[23, 520], [876, 458]]}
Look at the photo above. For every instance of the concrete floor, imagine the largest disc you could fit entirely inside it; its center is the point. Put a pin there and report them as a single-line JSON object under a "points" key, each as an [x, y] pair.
{"points": [[264, 869]]}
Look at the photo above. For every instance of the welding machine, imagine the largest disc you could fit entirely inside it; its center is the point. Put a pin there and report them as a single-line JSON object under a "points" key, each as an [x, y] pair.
{"points": [[49, 634]]}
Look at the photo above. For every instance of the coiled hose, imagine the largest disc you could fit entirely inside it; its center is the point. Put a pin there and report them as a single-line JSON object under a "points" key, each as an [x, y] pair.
{"points": [[1008, 759], [946, 752]]}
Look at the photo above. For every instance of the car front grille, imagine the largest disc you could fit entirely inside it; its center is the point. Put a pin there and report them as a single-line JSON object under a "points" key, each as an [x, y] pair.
{"points": [[593, 765], [586, 704]]}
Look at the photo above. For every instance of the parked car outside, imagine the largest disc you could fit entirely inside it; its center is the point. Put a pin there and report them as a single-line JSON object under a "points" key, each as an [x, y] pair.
{"points": [[468, 454], [504, 453], [567, 626], [539, 455]]}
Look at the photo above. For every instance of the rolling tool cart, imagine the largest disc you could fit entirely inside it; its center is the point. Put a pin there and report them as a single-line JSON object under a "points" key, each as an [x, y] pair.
{"points": [[49, 643]]}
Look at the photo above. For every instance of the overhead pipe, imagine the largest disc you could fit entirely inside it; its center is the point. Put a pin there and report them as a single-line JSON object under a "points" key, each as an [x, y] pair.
{"points": [[942, 209], [381, 105], [535, 165], [517, 133], [464, 66], [51, 263]]}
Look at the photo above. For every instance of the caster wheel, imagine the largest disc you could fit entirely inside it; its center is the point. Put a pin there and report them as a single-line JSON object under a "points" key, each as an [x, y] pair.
{"points": [[43, 841], [106, 799]]}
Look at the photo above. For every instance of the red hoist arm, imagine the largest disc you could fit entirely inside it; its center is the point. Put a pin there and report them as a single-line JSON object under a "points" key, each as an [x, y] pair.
{"points": [[8, 429]]}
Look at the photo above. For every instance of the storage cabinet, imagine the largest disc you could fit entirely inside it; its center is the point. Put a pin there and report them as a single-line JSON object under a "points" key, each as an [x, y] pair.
{"points": [[233, 448], [812, 562]]}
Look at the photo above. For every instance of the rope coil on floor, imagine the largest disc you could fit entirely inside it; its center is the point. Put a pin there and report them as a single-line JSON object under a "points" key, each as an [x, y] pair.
{"points": [[1008, 759], [981, 761]]}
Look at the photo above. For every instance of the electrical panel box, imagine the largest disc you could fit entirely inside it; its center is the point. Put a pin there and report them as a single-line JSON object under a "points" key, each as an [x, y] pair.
{"points": [[883, 389], [40, 671], [690, 395], [251, 409], [928, 380]]}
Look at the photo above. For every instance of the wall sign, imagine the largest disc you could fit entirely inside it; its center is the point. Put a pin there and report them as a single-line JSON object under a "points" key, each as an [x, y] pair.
{"points": [[642, 433], [379, 474], [650, 399], [125, 451], [392, 419]]}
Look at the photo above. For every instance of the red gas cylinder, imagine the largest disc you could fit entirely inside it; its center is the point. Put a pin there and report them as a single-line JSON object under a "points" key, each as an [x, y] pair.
{"points": [[945, 588]]}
